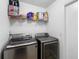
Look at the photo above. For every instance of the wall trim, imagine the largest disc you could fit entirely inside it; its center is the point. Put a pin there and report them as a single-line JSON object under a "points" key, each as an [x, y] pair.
{"points": [[70, 3]]}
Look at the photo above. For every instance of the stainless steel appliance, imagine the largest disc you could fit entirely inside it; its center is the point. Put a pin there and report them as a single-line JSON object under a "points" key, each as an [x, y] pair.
{"points": [[48, 47], [21, 48]]}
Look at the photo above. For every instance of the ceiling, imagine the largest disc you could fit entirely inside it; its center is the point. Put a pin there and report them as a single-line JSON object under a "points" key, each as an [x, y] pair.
{"points": [[41, 3]]}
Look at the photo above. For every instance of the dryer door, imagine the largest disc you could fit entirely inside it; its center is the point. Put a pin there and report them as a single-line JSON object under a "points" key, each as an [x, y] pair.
{"points": [[51, 50]]}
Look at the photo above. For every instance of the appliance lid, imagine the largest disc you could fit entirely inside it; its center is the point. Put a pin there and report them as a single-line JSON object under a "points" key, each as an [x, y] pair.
{"points": [[20, 40], [47, 39], [20, 37], [39, 35], [20, 44]]}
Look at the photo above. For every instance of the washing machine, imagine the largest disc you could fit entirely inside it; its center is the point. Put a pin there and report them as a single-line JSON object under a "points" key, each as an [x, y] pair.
{"points": [[22, 47]]}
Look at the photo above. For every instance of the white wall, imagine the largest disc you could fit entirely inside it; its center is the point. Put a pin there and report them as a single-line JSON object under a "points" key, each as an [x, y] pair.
{"points": [[56, 25], [68, 1], [25, 27], [4, 23]]}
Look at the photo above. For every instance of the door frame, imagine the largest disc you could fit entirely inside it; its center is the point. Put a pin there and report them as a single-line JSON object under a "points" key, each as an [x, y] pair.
{"points": [[70, 3], [66, 5]]}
